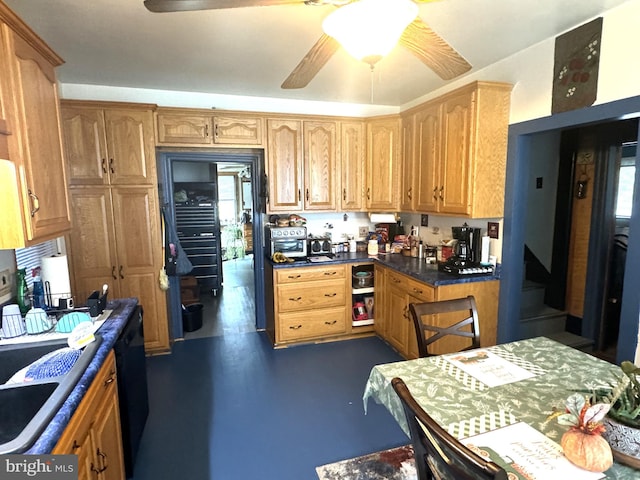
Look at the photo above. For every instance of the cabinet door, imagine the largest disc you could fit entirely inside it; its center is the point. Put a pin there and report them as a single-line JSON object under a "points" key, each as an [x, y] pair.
{"points": [[36, 143], [456, 154], [408, 180], [92, 242], [139, 245], [184, 129], [320, 153], [382, 160], [284, 165], [397, 326], [85, 145], [427, 154], [236, 130], [352, 165], [380, 301], [108, 437], [131, 147]]}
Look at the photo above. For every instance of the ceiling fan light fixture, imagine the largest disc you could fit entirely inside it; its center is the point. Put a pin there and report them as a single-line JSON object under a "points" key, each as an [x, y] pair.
{"points": [[369, 29]]}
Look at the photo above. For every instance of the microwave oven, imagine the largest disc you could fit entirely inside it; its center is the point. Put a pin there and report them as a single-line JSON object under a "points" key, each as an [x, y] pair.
{"points": [[290, 241]]}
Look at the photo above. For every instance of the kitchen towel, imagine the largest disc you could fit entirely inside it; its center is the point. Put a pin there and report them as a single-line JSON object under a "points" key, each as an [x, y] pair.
{"points": [[55, 272]]}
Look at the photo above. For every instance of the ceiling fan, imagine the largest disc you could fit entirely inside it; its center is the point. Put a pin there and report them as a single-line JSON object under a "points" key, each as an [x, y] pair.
{"points": [[418, 38]]}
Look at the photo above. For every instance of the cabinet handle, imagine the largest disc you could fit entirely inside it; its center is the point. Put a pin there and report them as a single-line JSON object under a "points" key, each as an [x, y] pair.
{"points": [[94, 469], [409, 194], [120, 272], [113, 272], [442, 193], [299, 195], [435, 193], [215, 131], [110, 380], [344, 194], [295, 299], [293, 276], [111, 169], [368, 193], [35, 203], [75, 445], [417, 290], [104, 165], [395, 280], [307, 194], [331, 323], [295, 327], [103, 460], [330, 295], [330, 273]]}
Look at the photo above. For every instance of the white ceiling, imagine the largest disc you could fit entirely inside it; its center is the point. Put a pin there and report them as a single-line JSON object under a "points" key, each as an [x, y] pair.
{"points": [[250, 51]]}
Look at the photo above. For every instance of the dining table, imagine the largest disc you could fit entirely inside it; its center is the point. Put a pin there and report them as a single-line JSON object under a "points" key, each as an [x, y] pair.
{"points": [[500, 393]]}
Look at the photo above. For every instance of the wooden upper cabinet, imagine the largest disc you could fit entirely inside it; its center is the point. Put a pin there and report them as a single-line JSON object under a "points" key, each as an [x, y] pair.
{"points": [[35, 201], [284, 165], [460, 151], [109, 146], [383, 145], [426, 166], [320, 153], [352, 165], [199, 128], [408, 181]]}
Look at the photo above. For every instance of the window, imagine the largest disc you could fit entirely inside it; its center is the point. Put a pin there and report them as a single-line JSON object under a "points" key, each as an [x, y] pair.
{"points": [[627, 175], [227, 204], [29, 258]]}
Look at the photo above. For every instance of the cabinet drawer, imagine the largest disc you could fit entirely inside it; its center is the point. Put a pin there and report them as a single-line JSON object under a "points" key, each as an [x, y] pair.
{"points": [[319, 323], [421, 291], [291, 275], [311, 296]]}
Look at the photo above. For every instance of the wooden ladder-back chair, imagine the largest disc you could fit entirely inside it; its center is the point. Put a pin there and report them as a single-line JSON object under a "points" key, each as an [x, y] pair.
{"points": [[438, 455], [428, 333]]}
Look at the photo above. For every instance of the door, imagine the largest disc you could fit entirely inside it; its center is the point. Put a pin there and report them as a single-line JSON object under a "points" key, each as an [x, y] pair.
{"points": [[353, 156], [284, 165], [382, 162], [427, 152], [320, 154]]}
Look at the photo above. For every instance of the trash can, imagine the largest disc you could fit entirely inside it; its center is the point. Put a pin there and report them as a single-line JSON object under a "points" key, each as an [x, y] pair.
{"points": [[192, 317]]}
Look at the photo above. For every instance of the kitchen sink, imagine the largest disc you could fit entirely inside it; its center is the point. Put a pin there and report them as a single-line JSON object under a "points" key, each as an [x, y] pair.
{"points": [[27, 408]]}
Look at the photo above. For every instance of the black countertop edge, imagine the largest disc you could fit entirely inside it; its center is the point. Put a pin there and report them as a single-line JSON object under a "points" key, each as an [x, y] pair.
{"points": [[413, 267], [109, 331]]}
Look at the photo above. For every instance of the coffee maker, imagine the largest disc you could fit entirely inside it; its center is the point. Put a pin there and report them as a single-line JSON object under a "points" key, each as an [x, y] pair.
{"points": [[466, 257]]}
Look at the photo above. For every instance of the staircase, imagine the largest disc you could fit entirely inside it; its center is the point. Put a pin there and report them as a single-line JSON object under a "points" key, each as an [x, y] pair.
{"points": [[538, 319]]}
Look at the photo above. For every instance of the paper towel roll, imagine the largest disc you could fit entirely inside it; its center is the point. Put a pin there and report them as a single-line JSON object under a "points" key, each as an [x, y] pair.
{"points": [[484, 256], [55, 270]]}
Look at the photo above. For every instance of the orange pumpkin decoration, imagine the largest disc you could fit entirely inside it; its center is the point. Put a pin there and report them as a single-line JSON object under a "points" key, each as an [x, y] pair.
{"points": [[582, 444], [586, 450]]}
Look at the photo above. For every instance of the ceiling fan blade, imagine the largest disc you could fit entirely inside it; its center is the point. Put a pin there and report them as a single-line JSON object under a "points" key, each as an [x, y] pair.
{"points": [[313, 61], [433, 51], [161, 6]]}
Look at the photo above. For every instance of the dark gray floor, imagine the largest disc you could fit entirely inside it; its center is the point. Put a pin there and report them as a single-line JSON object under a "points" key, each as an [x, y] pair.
{"points": [[233, 408]]}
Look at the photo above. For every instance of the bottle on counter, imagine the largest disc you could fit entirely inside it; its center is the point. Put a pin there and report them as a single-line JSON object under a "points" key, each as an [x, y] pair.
{"points": [[38, 289], [24, 301], [372, 247], [421, 250]]}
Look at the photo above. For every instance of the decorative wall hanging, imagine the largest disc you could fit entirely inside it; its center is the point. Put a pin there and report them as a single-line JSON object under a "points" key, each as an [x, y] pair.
{"points": [[575, 70]]}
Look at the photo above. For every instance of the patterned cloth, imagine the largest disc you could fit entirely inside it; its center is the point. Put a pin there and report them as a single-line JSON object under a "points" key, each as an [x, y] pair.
{"points": [[466, 406]]}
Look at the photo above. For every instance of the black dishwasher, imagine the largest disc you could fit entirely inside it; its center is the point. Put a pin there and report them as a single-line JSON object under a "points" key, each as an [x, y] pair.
{"points": [[132, 386]]}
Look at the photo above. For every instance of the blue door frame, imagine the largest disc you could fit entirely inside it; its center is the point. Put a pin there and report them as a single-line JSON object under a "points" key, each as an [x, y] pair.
{"points": [[518, 156]]}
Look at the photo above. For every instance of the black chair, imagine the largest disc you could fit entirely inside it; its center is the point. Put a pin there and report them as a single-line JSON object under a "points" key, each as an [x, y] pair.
{"points": [[438, 455], [428, 332]]}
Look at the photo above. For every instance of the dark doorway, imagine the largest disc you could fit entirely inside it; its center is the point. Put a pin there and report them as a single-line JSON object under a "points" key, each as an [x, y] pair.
{"points": [[235, 226]]}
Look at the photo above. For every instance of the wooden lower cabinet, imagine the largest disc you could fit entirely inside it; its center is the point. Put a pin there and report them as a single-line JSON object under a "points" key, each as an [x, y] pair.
{"points": [[393, 318], [94, 433]]}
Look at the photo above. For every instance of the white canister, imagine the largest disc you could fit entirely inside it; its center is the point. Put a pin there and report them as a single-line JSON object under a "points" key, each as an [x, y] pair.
{"points": [[372, 247], [352, 246]]}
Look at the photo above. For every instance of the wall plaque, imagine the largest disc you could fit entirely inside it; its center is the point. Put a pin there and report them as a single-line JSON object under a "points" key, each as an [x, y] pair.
{"points": [[575, 70]]}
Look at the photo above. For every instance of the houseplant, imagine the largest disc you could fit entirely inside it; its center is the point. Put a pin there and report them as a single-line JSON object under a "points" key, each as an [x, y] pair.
{"points": [[622, 423]]}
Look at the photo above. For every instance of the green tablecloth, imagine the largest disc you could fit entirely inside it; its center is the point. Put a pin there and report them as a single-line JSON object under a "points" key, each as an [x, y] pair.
{"points": [[466, 406]]}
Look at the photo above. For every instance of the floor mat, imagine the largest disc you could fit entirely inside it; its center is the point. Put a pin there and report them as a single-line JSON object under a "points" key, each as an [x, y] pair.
{"points": [[394, 464]]}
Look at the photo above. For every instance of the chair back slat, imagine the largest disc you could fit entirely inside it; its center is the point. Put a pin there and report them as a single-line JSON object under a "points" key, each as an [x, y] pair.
{"points": [[437, 453], [428, 332]]}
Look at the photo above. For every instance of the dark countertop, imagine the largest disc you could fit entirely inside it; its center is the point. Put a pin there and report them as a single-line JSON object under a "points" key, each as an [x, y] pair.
{"points": [[109, 331], [413, 267]]}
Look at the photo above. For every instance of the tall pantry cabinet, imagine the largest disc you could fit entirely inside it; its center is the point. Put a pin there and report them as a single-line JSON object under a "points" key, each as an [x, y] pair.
{"points": [[116, 236]]}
